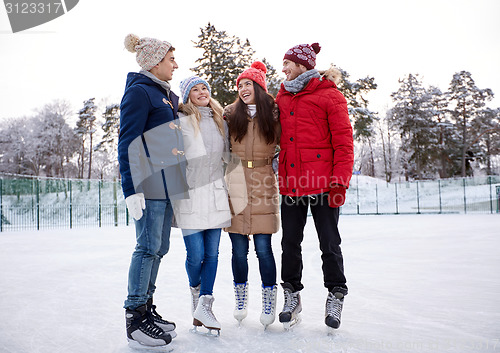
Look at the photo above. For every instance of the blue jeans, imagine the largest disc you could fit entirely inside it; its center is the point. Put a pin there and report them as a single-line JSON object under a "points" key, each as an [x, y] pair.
{"points": [[202, 256], [153, 241], [239, 261]]}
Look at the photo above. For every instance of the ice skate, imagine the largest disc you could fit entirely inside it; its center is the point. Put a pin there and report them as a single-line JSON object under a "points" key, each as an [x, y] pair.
{"points": [[195, 296], [165, 325], [204, 317], [268, 305], [291, 308], [142, 333], [333, 310], [241, 301]]}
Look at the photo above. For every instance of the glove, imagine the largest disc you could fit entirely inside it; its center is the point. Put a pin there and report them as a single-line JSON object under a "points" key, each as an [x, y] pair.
{"points": [[135, 204], [336, 196]]}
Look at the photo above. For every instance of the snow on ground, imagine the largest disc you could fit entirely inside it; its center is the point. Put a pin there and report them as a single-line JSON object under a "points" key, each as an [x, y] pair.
{"points": [[418, 283]]}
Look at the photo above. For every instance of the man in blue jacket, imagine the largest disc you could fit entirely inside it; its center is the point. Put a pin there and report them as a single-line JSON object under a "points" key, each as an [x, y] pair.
{"points": [[152, 167]]}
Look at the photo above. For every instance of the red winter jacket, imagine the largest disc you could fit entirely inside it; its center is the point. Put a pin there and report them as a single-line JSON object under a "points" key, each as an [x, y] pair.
{"points": [[316, 139]]}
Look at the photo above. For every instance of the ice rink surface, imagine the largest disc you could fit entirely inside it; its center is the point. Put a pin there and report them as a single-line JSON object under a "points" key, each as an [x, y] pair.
{"points": [[417, 283]]}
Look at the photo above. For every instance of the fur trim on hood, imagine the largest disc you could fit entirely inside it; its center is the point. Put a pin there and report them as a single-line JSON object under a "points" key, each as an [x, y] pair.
{"points": [[332, 74]]}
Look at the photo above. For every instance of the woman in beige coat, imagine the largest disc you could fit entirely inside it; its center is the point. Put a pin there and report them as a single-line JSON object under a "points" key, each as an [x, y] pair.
{"points": [[253, 192]]}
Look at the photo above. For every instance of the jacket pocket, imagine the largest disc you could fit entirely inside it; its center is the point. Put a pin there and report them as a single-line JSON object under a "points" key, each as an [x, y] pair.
{"points": [[185, 205], [317, 167], [220, 195]]}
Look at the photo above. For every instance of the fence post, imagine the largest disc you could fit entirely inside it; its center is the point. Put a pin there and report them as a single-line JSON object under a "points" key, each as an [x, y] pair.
{"points": [[357, 193], [396, 191], [37, 183], [439, 191], [465, 198], [418, 199], [1, 205], [115, 203], [70, 204], [376, 196], [491, 195], [100, 207]]}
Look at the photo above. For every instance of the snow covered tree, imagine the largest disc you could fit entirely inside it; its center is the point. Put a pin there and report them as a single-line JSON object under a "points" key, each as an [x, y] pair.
{"points": [[467, 102], [412, 115], [387, 132], [273, 78], [109, 143], [488, 122], [85, 129], [224, 58], [362, 118], [57, 141]]}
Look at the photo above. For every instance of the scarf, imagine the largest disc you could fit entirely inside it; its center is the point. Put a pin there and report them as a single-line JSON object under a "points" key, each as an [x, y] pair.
{"points": [[297, 85], [165, 85]]}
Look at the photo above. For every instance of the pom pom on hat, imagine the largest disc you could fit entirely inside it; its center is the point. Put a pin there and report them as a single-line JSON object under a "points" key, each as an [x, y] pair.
{"points": [[304, 54], [189, 83], [149, 51], [256, 73]]}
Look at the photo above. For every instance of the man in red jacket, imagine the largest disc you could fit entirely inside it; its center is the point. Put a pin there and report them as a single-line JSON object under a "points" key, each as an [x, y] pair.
{"points": [[315, 167]]}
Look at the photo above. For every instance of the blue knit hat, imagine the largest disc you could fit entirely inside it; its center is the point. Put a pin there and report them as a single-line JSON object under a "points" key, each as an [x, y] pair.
{"points": [[189, 83]]}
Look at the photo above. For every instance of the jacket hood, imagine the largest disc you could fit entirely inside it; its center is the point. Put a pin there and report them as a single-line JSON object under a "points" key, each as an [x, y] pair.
{"points": [[135, 78], [332, 74]]}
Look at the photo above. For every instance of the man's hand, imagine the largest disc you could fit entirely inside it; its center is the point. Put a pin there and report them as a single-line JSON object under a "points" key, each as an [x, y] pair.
{"points": [[135, 204], [336, 196]]}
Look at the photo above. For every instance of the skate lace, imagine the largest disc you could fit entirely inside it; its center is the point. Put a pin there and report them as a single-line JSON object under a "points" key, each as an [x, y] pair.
{"points": [[291, 301], [240, 292], [268, 301], [150, 329], [334, 307], [207, 309]]}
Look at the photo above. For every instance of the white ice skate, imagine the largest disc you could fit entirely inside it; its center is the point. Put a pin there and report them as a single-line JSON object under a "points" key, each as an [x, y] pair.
{"points": [[268, 306], [195, 296], [241, 301], [204, 317]]}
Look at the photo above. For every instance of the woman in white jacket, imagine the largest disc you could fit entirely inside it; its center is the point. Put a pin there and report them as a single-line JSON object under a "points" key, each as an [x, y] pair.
{"points": [[202, 216]]}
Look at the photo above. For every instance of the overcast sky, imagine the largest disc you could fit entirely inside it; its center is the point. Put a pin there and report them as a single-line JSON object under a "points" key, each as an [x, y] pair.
{"points": [[80, 55]]}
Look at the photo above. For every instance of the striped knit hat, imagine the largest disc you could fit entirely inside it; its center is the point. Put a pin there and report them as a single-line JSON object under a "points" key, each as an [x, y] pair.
{"points": [[149, 51], [189, 83], [304, 54]]}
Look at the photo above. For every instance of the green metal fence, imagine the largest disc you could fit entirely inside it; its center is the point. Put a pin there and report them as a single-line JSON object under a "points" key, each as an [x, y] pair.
{"points": [[30, 204]]}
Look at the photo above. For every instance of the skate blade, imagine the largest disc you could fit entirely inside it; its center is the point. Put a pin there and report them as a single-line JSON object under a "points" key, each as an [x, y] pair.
{"points": [[292, 323], [210, 332], [330, 331], [140, 347]]}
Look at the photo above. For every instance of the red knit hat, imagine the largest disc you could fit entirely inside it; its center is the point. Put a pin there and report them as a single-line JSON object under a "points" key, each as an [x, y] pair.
{"points": [[256, 73], [304, 54]]}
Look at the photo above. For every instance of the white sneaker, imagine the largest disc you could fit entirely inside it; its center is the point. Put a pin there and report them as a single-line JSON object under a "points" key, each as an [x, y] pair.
{"points": [[203, 315], [268, 305], [241, 298]]}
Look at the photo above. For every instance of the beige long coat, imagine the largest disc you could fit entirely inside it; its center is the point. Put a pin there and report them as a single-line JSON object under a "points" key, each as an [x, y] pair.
{"points": [[253, 192]]}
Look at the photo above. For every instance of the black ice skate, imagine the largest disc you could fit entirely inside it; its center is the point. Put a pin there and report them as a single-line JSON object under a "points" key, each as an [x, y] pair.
{"points": [[333, 310], [165, 325], [289, 317], [142, 333]]}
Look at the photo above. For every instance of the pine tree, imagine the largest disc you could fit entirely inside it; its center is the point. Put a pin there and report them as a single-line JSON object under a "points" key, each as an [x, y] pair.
{"points": [[412, 114], [224, 58], [467, 101], [273, 79], [85, 129], [362, 117], [111, 128]]}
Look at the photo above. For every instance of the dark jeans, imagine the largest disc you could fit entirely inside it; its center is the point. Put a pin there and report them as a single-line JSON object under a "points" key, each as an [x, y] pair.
{"points": [[293, 220], [239, 261]]}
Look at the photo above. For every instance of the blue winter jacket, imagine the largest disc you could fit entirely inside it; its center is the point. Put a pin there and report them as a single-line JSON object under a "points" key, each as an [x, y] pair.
{"points": [[150, 145]]}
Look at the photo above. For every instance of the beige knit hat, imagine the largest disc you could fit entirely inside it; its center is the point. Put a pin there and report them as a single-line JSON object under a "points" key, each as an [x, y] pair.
{"points": [[150, 51]]}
